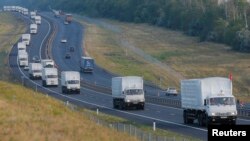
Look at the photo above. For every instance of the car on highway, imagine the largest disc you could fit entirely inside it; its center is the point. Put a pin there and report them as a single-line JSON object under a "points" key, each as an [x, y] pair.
{"points": [[64, 40], [26, 68], [36, 59], [67, 56], [171, 91], [71, 49]]}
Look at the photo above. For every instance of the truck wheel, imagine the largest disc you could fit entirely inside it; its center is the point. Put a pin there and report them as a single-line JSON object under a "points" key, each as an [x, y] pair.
{"points": [[184, 117], [142, 107], [200, 120], [44, 83]]}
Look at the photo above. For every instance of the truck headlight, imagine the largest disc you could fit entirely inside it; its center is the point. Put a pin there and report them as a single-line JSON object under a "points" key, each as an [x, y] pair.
{"points": [[127, 100], [213, 114], [233, 113]]}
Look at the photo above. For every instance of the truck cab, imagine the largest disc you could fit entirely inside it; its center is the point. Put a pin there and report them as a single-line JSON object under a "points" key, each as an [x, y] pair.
{"points": [[26, 38], [87, 64], [35, 70], [23, 58], [70, 81], [221, 109], [33, 28], [38, 20], [50, 77]]}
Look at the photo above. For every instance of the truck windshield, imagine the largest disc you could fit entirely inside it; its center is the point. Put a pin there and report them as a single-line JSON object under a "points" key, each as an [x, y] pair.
{"points": [[222, 101], [73, 82], [37, 71], [51, 76], [134, 92], [49, 66], [23, 59]]}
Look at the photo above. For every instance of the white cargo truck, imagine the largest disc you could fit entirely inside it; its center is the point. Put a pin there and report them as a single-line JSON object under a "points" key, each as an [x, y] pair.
{"points": [[47, 63], [127, 92], [209, 100], [33, 28], [25, 11], [38, 20], [35, 70], [26, 38], [21, 46], [32, 14], [23, 58], [70, 81], [50, 77]]}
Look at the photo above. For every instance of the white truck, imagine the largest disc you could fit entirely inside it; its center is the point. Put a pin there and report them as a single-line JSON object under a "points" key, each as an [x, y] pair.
{"points": [[127, 92], [209, 100], [26, 38], [48, 63], [23, 58], [50, 77], [32, 14], [38, 20], [70, 81], [21, 46], [33, 28], [35, 70]]}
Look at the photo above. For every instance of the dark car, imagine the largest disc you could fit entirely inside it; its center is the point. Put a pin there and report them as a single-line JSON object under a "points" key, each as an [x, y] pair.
{"points": [[71, 49], [67, 56]]}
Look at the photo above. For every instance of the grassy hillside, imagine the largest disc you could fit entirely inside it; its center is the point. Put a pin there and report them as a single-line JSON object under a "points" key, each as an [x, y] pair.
{"points": [[10, 29], [26, 115], [115, 46]]}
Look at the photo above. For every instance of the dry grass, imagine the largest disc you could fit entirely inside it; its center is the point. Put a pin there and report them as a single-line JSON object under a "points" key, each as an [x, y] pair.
{"points": [[26, 115], [10, 29], [185, 55]]}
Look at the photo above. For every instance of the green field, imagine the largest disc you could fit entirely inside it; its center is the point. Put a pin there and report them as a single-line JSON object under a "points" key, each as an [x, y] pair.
{"points": [[113, 44]]}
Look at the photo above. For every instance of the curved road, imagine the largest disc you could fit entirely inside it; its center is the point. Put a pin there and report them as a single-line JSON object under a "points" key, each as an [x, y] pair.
{"points": [[165, 117]]}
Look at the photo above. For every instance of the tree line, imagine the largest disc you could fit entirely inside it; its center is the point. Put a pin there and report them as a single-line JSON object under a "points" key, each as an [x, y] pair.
{"points": [[222, 21]]}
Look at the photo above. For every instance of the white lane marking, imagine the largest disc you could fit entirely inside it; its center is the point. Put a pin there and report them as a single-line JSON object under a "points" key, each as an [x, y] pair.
{"points": [[40, 50], [244, 119]]}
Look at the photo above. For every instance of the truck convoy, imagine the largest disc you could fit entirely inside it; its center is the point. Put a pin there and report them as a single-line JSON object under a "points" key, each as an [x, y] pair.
{"points": [[26, 38], [33, 28], [70, 81], [127, 92], [23, 58], [208, 100], [50, 77], [35, 70], [38, 20], [87, 64]]}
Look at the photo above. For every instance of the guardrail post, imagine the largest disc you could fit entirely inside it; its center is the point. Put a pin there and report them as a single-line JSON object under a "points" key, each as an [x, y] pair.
{"points": [[97, 111], [154, 124]]}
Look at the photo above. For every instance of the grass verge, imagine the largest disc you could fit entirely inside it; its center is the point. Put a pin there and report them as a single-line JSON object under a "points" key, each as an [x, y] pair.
{"points": [[27, 115], [10, 29], [109, 42]]}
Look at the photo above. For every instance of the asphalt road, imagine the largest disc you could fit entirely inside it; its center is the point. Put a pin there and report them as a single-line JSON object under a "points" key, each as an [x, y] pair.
{"points": [[165, 117]]}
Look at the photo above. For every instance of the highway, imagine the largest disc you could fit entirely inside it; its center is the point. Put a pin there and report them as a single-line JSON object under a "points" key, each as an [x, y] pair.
{"points": [[165, 117]]}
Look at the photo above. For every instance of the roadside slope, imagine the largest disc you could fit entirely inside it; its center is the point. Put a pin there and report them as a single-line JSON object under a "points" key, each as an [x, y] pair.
{"points": [[162, 56], [27, 115]]}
